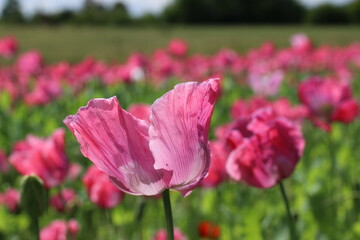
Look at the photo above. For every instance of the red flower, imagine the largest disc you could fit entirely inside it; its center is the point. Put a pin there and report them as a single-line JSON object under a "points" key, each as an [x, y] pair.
{"points": [[100, 190], [209, 230]]}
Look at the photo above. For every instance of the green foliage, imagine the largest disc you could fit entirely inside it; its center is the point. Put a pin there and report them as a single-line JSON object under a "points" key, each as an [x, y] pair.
{"points": [[353, 10], [11, 12], [328, 14], [92, 14], [233, 11]]}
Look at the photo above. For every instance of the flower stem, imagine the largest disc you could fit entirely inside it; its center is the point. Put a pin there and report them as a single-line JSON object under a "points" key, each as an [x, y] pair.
{"points": [[139, 216], [293, 235], [168, 214], [34, 226]]}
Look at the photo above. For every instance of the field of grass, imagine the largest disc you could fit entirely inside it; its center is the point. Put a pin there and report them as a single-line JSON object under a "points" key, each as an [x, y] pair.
{"points": [[111, 43]]}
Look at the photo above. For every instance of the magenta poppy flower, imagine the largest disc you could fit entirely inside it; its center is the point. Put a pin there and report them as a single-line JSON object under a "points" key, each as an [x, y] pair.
{"points": [[266, 149], [161, 235], [8, 47], [143, 158], [74, 171], [30, 62], [11, 199], [140, 111], [63, 200], [45, 158], [300, 42], [217, 172], [328, 100], [100, 190], [281, 107], [178, 47], [60, 230]]}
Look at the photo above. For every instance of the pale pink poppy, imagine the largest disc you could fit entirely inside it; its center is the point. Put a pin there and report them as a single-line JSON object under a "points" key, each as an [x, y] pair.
{"points": [[100, 190], [143, 158], [44, 157], [266, 149]]}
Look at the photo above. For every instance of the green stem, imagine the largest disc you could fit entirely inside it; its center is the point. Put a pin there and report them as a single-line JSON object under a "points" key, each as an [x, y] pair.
{"points": [[139, 216], [292, 229], [34, 226], [168, 214]]}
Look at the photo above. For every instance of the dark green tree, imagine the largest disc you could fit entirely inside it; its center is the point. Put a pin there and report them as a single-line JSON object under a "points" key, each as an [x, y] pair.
{"points": [[328, 14], [234, 11], [12, 13], [353, 10]]}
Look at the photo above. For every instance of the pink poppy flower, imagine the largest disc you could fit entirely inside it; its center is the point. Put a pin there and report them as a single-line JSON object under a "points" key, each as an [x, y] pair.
{"points": [[4, 166], [328, 101], [11, 199], [44, 157], [266, 149], [281, 108], [29, 63], [73, 227], [162, 235], [217, 172], [63, 200], [60, 230], [8, 47], [100, 190], [143, 158], [266, 83], [300, 42], [178, 47], [74, 171]]}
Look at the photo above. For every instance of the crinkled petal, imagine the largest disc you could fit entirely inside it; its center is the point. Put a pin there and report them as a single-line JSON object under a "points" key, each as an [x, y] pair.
{"points": [[179, 132], [118, 144]]}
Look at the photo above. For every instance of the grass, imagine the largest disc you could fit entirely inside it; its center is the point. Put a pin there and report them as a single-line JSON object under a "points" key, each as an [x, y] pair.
{"points": [[115, 43]]}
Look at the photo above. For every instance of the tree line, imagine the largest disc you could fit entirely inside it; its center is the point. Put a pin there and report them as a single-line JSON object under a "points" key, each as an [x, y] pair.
{"points": [[196, 12]]}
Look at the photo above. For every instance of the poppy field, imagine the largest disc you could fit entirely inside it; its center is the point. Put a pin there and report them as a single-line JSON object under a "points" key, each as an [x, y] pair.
{"points": [[260, 143]]}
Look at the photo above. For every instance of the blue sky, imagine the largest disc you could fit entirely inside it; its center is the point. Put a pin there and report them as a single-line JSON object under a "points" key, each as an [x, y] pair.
{"points": [[135, 7]]}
